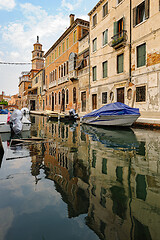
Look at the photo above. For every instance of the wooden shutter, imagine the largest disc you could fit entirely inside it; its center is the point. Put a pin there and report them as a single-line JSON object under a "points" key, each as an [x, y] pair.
{"points": [[115, 30], [147, 3], [134, 16]]}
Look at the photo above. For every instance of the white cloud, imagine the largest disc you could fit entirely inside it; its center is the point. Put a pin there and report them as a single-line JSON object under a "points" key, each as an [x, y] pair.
{"points": [[71, 5], [7, 4], [22, 35]]}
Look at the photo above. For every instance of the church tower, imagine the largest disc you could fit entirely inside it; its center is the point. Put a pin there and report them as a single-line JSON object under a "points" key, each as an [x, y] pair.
{"points": [[37, 56]]}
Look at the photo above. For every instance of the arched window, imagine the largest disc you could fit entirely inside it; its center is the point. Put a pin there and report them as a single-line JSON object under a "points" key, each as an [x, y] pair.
{"points": [[62, 71], [67, 96], [55, 98], [59, 98], [74, 95]]}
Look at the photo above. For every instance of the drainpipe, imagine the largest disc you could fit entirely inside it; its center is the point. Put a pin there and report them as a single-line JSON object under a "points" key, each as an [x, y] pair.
{"points": [[130, 44]]}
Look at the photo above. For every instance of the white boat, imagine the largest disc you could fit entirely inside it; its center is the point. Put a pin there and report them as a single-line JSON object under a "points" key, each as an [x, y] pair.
{"points": [[114, 114], [6, 127]]}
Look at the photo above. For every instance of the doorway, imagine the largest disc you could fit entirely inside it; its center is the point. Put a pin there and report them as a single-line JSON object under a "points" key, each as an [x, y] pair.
{"points": [[120, 95], [94, 101], [52, 101], [83, 99]]}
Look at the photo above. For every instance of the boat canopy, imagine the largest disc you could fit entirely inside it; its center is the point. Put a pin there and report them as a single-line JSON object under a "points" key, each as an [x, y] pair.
{"points": [[116, 108], [4, 111]]}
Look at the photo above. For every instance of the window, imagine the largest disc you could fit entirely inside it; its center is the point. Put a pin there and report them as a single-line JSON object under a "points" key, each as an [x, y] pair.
{"points": [[75, 36], [55, 54], [105, 68], [141, 55], [104, 97], [59, 71], [46, 100], [141, 12], [62, 71], [94, 73], [105, 37], [141, 94], [74, 95], [52, 57], [67, 96], [55, 74], [94, 44], [120, 63], [63, 47], [59, 98], [67, 43], [105, 9], [94, 20], [55, 98], [119, 1], [119, 27], [59, 50]]}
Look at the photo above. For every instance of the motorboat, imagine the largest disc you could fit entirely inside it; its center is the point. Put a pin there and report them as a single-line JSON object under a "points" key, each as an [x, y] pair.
{"points": [[113, 114], [16, 122], [118, 139]]}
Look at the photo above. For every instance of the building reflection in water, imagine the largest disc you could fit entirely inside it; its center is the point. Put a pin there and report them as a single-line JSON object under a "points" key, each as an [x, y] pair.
{"points": [[112, 176]]}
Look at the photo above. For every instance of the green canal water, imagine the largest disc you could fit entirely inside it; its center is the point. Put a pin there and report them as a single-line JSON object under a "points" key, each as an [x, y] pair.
{"points": [[80, 183]]}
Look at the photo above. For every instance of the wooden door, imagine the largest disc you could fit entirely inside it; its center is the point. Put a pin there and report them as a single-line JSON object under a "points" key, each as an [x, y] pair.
{"points": [[120, 95], [94, 101]]}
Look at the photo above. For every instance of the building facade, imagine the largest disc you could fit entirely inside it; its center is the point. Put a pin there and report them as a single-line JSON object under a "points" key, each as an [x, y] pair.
{"points": [[124, 57], [61, 79]]}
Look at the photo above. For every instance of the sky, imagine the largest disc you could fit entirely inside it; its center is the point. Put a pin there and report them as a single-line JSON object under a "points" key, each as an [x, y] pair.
{"points": [[21, 21]]}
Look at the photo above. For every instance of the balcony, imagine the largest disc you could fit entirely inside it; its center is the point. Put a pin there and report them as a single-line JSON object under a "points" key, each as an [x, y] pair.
{"points": [[52, 84], [73, 75], [119, 40], [63, 80]]}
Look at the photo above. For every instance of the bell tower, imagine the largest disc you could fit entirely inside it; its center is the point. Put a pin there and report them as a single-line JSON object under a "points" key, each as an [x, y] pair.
{"points": [[37, 56]]}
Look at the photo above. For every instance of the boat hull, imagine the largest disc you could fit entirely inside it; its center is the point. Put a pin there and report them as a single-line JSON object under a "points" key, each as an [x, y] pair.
{"points": [[112, 120], [5, 128]]}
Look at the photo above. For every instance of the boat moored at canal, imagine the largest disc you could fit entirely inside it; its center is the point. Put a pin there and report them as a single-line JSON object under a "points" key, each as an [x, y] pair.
{"points": [[113, 114]]}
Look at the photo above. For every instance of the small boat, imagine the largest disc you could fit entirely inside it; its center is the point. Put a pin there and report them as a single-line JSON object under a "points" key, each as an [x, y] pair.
{"points": [[17, 122], [113, 114]]}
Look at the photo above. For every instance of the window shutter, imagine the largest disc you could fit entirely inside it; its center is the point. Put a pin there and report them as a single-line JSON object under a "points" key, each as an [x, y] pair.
{"points": [[134, 16], [115, 30], [147, 2], [123, 27]]}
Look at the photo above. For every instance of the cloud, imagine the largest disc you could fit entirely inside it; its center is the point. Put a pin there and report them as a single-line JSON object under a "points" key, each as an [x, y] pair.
{"points": [[36, 22], [70, 5], [7, 4]]}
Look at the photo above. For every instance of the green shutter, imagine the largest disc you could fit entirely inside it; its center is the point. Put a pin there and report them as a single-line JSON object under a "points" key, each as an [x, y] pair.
{"points": [[147, 2], [134, 16], [115, 30], [120, 63], [141, 55], [104, 165]]}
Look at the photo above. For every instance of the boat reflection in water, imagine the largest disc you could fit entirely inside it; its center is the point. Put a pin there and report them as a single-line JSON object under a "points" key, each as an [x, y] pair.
{"points": [[116, 138], [108, 178]]}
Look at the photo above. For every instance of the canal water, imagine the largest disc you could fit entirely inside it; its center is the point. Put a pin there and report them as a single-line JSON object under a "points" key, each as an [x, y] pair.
{"points": [[80, 183]]}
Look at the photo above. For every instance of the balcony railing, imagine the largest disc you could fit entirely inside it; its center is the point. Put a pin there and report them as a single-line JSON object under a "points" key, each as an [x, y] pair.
{"points": [[63, 80], [119, 39], [53, 84]]}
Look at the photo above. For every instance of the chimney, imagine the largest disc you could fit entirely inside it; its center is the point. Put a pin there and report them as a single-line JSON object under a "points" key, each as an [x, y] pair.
{"points": [[71, 18]]}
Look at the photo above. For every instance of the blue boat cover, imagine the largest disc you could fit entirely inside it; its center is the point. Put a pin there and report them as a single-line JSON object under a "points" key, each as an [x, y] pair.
{"points": [[116, 108], [4, 111]]}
